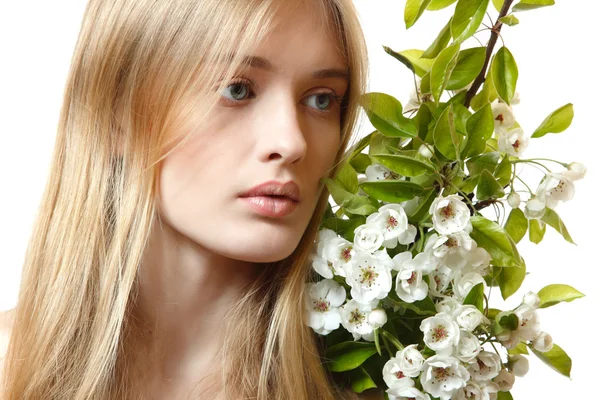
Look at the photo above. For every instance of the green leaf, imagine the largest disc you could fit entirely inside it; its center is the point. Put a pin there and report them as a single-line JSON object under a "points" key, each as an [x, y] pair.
{"points": [[468, 66], [554, 294], [498, 4], [439, 4], [525, 5], [520, 349], [391, 191], [556, 359], [497, 242], [480, 127], [361, 380], [486, 161], [508, 320], [376, 340], [447, 140], [348, 355], [551, 218], [510, 280], [559, 120], [360, 162], [467, 18], [392, 339], [486, 95], [475, 297], [440, 42], [537, 230], [361, 145], [516, 225], [488, 187], [347, 178], [385, 113], [441, 70], [422, 210], [509, 20], [353, 203], [425, 86], [413, 10], [503, 171], [504, 396], [505, 74], [421, 65], [405, 164], [381, 144]]}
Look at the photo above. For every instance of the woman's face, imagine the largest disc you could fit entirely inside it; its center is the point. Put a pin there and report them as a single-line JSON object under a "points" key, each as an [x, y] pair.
{"points": [[278, 121]]}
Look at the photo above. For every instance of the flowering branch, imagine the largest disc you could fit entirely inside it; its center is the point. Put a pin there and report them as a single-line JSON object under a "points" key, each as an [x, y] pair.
{"points": [[488, 53]]}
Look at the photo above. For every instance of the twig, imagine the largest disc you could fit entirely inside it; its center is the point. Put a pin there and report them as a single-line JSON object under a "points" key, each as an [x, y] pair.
{"points": [[488, 53]]}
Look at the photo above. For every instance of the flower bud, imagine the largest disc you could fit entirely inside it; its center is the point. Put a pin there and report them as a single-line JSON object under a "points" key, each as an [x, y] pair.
{"points": [[377, 318], [519, 365], [543, 342], [531, 299], [505, 380], [576, 170], [514, 199], [425, 151], [534, 208]]}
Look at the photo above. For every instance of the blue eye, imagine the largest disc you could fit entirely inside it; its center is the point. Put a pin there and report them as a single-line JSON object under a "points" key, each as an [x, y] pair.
{"points": [[239, 92], [241, 89]]}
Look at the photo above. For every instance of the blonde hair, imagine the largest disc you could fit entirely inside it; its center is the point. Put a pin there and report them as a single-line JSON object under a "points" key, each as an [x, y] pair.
{"points": [[136, 65]]}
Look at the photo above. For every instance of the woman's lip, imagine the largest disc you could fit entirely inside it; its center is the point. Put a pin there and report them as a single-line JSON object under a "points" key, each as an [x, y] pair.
{"points": [[271, 206]]}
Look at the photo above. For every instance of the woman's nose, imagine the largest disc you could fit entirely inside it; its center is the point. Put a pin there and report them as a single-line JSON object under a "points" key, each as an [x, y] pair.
{"points": [[284, 137]]}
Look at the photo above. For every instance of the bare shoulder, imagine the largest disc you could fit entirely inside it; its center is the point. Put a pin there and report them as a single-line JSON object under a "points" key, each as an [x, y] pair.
{"points": [[372, 394]]}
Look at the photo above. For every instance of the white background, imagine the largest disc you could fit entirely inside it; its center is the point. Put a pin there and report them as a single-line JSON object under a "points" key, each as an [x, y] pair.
{"points": [[556, 51]]}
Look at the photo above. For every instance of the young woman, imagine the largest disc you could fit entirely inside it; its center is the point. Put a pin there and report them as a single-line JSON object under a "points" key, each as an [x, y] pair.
{"points": [[169, 256]]}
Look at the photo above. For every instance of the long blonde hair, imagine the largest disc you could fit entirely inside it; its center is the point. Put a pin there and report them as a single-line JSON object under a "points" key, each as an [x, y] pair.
{"points": [[136, 65]]}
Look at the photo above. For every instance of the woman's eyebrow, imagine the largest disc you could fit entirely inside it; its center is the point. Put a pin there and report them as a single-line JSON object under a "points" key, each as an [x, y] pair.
{"points": [[263, 63]]}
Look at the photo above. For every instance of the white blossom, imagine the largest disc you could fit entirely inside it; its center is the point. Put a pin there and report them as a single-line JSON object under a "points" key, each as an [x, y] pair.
{"points": [[355, 319], [554, 188], [321, 302], [440, 279], [377, 318], [440, 332], [410, 360], [466, 282], [529, 325], [489, 390], [505, 380], [503, 115], [575, 171], [513, 142], [319, 258], [447, 305], [518, 364], [468, 346], [394, 377], [368, 238], [450, 214], [410, 286], [485, 366], [514, 199], [531, 299], [443, 375], [472, 391], [454, 249], [390, 219], [407, 393], [377, 172], [543, 342], [535, 208], [469, 317], [370, 277], [406, 237], [425, 151]]}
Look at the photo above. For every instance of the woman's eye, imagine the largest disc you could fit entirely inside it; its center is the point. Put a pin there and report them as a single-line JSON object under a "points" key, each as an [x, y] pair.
{"points": [[237, 91], [322, 101]]}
